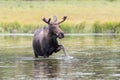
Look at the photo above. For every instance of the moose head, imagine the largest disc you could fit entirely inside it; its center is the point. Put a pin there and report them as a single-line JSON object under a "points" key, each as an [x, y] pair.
{"points": [[54, 27]]}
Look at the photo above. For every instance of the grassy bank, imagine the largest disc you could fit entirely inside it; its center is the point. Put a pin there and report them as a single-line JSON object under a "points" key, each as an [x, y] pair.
{"points": [[83, 27], [25, 16]]}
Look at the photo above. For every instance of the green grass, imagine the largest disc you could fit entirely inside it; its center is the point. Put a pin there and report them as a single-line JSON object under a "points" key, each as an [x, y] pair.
{"points": [[83, 27], [82, 15], [17, 27], [108, 27]]}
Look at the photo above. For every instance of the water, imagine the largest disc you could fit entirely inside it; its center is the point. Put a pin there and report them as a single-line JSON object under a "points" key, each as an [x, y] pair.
{"points": [[90, 58]]}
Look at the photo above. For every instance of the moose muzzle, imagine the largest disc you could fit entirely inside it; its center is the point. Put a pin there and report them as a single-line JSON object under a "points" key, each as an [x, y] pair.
{"points": [[61, 35]]}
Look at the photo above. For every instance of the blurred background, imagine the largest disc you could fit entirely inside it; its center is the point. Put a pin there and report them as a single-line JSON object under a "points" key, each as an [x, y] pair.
{"points": [[84, 16], [92, 40]]}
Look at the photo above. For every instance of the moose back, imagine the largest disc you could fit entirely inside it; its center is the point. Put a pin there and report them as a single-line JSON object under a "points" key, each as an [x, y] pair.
{"points": [[45, 39]]}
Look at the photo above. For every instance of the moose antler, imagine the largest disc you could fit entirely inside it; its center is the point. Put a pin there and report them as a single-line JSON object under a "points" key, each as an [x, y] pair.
{"points": [[47, 21], [64, 18]]}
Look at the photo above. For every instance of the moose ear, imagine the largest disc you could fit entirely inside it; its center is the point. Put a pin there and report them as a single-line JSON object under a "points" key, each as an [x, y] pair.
{"points": [[47, 21], [54, 18], [64, 18]]}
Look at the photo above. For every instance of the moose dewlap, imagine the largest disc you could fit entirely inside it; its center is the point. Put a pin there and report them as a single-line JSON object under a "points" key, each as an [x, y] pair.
{"points": [[45, 39]]}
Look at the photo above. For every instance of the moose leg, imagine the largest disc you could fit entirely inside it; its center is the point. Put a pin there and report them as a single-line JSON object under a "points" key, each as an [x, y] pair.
{"points": [[35, 53], [61, 47]]}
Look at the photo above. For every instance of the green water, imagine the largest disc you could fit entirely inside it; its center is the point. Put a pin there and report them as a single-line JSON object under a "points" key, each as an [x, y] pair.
{"points": [[94, 58]]}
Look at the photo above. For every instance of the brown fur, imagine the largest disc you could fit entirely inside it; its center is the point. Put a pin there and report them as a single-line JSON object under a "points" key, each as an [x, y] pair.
{"points": [[45, 39]]}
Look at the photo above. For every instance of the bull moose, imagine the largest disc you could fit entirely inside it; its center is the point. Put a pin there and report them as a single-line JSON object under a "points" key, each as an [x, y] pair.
{"points": [[45, 39]]}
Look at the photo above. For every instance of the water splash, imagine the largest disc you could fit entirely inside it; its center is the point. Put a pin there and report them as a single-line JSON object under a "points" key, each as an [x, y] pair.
{"points": [[63, 57], [66, 56]]}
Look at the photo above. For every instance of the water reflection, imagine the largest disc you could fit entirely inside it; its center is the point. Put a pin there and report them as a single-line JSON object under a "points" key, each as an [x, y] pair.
{"points": [[46, 68], [95, 58]]}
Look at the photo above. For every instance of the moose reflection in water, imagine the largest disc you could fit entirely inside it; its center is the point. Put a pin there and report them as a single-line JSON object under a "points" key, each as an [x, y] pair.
{"points": [[46, 69], [95, 58], [45, 39]]}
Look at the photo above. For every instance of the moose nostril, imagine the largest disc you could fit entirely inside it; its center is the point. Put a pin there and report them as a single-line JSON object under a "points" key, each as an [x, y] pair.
{"points": [[61, 35]]}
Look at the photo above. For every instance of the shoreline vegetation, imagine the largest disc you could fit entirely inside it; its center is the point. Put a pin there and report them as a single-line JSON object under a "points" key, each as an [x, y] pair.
{"points": [[83, 27], [84, 16]]}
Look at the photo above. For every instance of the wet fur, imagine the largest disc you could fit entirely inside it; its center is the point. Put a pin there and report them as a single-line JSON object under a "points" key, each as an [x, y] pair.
{"points": [[44, 43], [45, 39]]}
